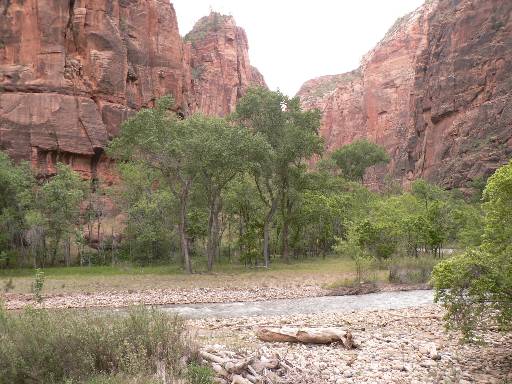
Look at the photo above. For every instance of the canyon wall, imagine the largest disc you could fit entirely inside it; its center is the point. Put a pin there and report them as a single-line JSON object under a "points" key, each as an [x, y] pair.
{"points": [[435, 92], [72, 70], [220, 65]]}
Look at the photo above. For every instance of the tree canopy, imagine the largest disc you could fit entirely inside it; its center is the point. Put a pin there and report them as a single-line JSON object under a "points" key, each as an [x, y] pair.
{"points": [[355, 158]]}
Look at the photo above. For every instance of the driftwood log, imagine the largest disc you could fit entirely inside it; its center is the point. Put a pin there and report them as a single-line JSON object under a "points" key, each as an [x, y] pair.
{"points": [[235, 368], [307, 335]]}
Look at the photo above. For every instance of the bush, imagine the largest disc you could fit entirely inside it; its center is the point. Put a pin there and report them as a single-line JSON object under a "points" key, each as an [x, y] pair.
{"points": [[198, 374], [411, 270], [476, 287], [71, 347], [37, 285], [364, 262]]}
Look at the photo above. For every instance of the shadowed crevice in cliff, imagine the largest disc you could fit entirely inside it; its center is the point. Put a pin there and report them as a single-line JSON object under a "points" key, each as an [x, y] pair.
{"points": [[69, 26], [4, 6]]}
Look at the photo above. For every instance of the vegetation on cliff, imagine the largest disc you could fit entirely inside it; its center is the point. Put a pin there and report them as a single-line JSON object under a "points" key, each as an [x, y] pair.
{"points": [[211, 23]]}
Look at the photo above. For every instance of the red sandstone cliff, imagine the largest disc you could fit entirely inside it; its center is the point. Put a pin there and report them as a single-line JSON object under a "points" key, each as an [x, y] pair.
{"points": [[220, 66], [434, 92], [72, 70]]}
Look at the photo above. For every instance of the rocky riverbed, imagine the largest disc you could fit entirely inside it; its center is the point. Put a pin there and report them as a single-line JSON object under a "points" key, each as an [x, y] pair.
{"points": [[407, 345], [118, 299], [400, 335], [188, 295]]}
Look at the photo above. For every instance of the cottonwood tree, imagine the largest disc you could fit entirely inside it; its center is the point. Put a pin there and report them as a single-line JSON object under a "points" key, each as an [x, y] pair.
{"points": [[199, 151], [58, 202], [16, 198], [292, 137], [150, 209], [246, 210], [222, 151], [163, 143]]}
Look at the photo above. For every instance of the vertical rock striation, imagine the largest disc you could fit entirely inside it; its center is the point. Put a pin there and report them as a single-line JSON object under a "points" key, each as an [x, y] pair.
{"points": [[434, 92], [72, 70]]}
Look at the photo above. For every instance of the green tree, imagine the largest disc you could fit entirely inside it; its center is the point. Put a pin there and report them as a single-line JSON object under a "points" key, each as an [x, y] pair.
{"points": [[292, 138], [163, 143], [150, 208], [426, 192], [58, 201], [476, 287], [247, 211], [197, 156], [16, 198], [355, 158], [351, 247], [222, 152]]}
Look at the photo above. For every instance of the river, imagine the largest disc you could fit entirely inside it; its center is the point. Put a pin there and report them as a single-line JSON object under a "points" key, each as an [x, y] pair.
{"points": [[381, 300]]}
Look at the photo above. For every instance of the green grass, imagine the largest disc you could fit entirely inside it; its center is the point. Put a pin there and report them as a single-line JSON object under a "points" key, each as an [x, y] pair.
{"points": [[65, 280], [411, 270], [330, 272], [124, 269], [310, 265]]}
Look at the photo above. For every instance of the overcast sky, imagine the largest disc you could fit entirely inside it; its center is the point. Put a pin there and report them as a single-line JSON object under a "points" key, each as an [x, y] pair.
{"points": [[291, 41]]}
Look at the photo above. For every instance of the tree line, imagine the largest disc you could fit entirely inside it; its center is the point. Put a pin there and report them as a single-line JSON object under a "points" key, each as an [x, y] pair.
{"points": [[240, 188]]}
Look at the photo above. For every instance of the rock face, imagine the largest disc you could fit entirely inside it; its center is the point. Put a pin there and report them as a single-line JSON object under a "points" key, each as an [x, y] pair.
{"points": [[434, 92], [72, 70], [220, 66]]}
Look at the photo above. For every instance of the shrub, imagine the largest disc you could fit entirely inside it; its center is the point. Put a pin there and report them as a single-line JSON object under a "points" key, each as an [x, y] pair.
{"points": [[71, 347], [37, 285], [363, 261], [476, 287]]}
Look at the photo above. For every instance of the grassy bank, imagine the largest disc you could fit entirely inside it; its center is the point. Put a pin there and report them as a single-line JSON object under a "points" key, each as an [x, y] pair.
{"points": [[144, 346], [328, 272], [62, 280]]}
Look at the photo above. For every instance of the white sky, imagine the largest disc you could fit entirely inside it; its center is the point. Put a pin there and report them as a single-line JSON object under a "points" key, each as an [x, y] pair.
{"points": [[291, 41]]}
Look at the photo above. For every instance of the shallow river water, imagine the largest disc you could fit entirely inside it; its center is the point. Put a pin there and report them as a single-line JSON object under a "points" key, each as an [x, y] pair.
{"points": [[381, 300]]}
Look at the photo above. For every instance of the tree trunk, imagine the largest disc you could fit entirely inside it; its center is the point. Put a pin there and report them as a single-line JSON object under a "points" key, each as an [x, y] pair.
{"points": [[213, 231], [286, 212], [182, 228], [240, 235], [229, 239], [67, 255], [266, 233], [55, 249], [284, 234]]}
